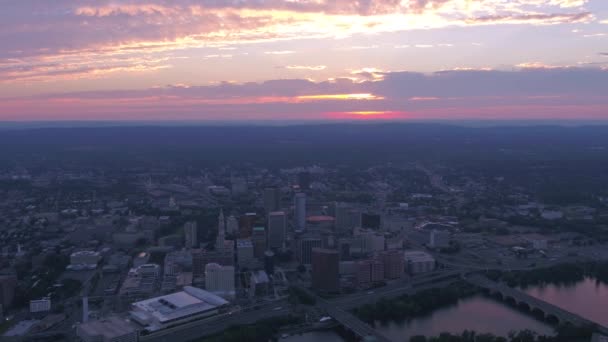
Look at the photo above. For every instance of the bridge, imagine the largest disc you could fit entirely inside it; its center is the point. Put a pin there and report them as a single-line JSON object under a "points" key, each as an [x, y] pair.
{"points": [[532, 304], [340, 308]]}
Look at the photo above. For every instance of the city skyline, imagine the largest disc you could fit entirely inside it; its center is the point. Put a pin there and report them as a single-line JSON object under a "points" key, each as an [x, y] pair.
{"points": [[303, 60]]}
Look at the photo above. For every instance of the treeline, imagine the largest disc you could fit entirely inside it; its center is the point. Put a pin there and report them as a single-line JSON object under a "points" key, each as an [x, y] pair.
{"points": [[559, 274], [411, 306], [564, 333], [261, 331]]}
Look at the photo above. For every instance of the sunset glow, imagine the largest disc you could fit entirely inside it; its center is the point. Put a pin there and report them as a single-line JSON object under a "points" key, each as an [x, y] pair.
{"points": [[95, 60]]}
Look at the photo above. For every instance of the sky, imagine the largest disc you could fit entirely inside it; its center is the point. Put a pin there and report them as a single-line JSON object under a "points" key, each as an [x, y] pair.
{"points": [[264, 60]]}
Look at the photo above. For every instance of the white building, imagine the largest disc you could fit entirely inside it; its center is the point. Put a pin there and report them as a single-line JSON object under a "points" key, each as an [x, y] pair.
{"points": [[40, 305], [111, 329], [174, 309], [439, 239], [232, 225], [277, 225], [219, 280], [418, 262], [300, 211]]}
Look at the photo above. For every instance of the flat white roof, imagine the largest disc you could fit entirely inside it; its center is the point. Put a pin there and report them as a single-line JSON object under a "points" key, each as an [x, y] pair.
{"points": [[176, 305]]}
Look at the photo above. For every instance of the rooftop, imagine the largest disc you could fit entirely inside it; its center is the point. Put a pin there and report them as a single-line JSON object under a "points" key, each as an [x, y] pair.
{"points": [[190, 301]]}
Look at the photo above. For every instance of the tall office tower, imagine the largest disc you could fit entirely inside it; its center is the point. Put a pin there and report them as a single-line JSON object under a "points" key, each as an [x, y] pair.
{"points": [[304, 180], [325, 270], [305, 247], [221, 232], [246, 223], [343, 221], [191, 234], [272, 199], [232, 225], [219, 280], [300, 211], [258, 238], [277, 224], [8, 284]]}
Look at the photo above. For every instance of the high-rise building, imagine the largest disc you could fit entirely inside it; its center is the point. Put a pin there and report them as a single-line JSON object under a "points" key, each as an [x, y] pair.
{"points": [[232, 225], [394, 265], [325, 270], [272, 199], [342, 217], [219, 280], [191, 234], [300, 211], [8, 284], [269, 262], [246, 223], [221, 232], [244, 252], [258, 238], [305, 247], [277, 225]]}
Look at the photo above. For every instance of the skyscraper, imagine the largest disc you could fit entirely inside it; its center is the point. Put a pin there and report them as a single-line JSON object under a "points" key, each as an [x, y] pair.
{"points": [[272, 198], [191, 234], [325, 270], [277, 223], [8, 283], [300, 211], [305, 247], [232, 225], [221, 232], [258, 237]]}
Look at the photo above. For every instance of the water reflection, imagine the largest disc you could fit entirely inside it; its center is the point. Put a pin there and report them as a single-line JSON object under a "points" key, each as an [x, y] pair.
{"points": [[316, 336], [588, 298], [478, 313]]}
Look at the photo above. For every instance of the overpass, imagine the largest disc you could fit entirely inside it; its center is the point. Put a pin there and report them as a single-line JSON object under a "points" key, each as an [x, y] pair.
{"points": [[532, 304]]}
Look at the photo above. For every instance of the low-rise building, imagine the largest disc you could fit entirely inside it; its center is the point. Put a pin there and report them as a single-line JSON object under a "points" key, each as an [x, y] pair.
{"points": [[418, 262], [178, 308]]}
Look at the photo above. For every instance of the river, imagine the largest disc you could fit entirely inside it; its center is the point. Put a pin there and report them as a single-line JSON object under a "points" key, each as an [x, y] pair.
{"points": [[587, 298], [479, 313]]}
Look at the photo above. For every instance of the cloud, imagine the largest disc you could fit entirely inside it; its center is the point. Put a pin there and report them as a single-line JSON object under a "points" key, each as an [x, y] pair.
{"points": [[605, 54], [537, 19], [591, 35], [281, 52], [307, 67], [92, 31], [573, 92]]}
